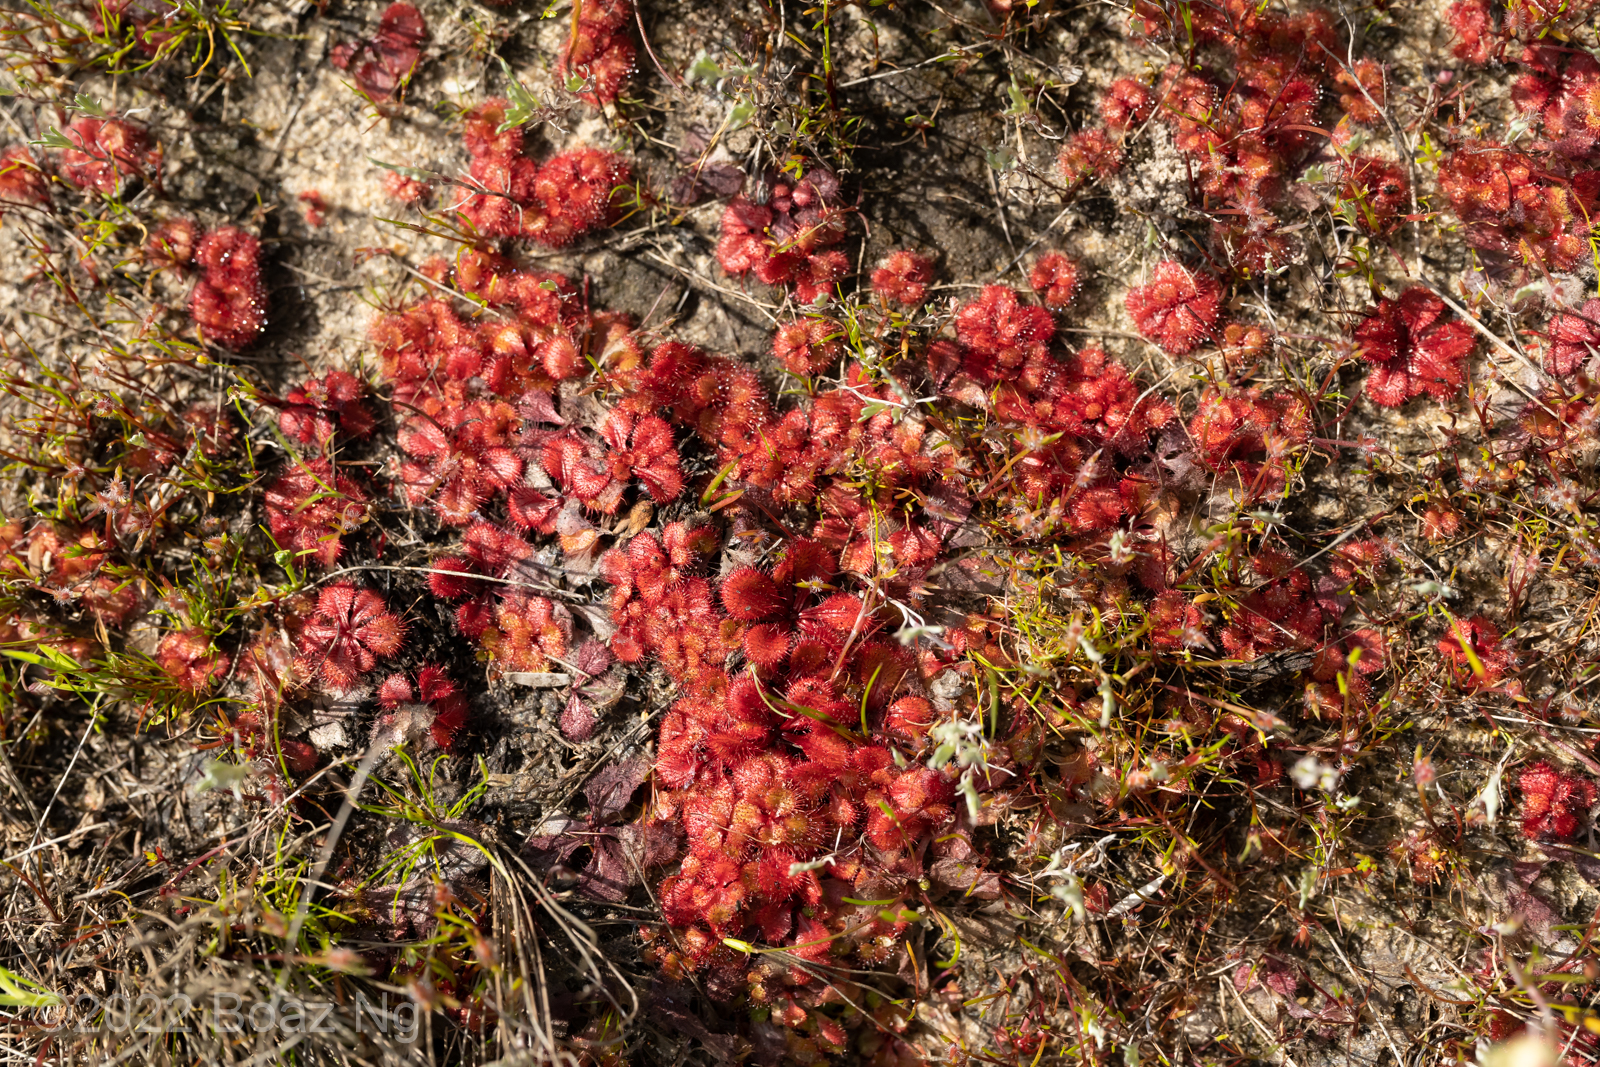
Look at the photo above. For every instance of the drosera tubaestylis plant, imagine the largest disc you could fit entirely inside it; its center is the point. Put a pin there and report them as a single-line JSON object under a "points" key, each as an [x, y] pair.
{"points": [[1113, 612]]}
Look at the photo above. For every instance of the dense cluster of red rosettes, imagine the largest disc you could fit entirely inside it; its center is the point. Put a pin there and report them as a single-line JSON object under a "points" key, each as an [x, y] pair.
{"points": [[1248, 116], [1086, 415], [1532, 204], [1002, 333], [781, 776], [1486, 31], [788, 239], [803, 455], [478, 394], [1533, 209], [554, 202], [775, 763], [488, 450], [517, 630]]}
